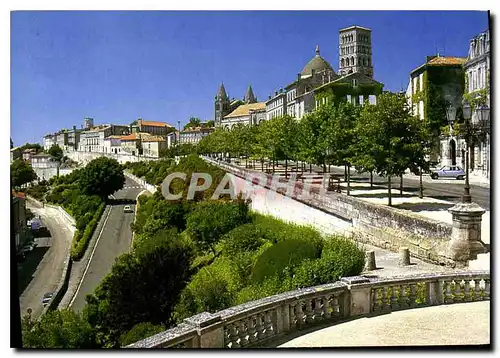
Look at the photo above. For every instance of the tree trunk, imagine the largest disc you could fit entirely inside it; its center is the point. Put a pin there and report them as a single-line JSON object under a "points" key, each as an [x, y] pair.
{"points": [[389, 189], [348, 179], [329, 171], [421, 186], [246, 161], [286, 168], [371, 178], [324, 168], [401, 186], [345, 172], [262, 163], [273, 165], [310, 168]]}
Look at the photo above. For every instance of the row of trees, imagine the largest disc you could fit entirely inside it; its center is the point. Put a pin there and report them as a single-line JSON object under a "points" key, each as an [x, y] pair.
{"points": [[384, 138]]}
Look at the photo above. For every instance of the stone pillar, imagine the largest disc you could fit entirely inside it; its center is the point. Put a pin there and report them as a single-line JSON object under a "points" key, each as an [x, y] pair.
{"points": [[360, 295], [370, 261], [404, 256], [210, 330], [465, 243]]}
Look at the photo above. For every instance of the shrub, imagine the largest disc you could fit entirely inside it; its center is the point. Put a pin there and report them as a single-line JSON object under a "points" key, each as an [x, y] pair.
{"points": [[210, 220], [211, 289], [140, 331], [81, 241], [246, 237]]}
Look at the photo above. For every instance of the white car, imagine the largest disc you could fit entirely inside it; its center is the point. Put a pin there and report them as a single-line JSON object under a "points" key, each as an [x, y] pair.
{"points": [[46, 298], [128, 209]]}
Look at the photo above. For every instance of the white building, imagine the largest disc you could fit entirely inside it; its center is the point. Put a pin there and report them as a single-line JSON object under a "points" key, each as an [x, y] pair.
{"points": [[276, 105], [477, 72], [112, 144], [194, 135], [240, 115], [153, 145], [48, 141], [42, 161], [92, 140]]}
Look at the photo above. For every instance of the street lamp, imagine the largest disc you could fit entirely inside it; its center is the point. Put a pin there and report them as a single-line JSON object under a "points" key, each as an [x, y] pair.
{"points": [[466, 109]]}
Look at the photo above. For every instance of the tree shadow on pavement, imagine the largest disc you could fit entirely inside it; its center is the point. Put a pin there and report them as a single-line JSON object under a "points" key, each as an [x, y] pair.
{"points": [[121, 202], [382, 195], [27, 268], [416, 207]]}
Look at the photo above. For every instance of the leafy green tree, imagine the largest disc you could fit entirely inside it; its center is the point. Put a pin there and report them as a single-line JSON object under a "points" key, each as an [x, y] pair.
{"points": [[56, 153], [211, 123], [338, 132], [193, 123], [143, 286], [58, 329], [35, 146], [21, 173], [391, 136], [102, 176], [139, 332], [311, 142], [210, 220]]}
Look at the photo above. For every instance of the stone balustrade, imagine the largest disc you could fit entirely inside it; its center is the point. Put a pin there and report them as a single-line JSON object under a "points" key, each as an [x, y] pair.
{"points": [[259, 322], [149, 187]]}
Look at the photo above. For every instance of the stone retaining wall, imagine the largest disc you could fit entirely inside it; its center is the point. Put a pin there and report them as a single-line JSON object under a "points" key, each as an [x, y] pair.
{"points": [[149, 187], [378, 225], [85, 157]]}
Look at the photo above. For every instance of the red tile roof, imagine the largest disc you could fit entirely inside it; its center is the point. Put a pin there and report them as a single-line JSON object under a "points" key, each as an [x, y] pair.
{"points": [[440, 61], [153, 123], [18, 194]]}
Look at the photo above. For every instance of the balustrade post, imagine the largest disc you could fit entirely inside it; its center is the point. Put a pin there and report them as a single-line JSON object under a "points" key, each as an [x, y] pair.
{"points": [[360, 295], [209, 328], [434, 292]]}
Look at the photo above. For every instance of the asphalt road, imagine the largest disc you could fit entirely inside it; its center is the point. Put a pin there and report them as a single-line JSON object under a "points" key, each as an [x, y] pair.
{"points": [[449, 190], [115, 239], [46, 261]]}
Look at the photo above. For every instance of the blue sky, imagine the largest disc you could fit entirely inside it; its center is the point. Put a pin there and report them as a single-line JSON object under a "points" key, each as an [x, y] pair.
{"points": [[167, 66]]}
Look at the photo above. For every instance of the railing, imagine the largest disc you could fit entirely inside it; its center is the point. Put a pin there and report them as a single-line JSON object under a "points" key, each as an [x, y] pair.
{"points": [[259, 322]]}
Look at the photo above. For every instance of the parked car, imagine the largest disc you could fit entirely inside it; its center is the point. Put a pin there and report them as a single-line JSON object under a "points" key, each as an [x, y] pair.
{"points": [[47, 297], [448, 172], [127, 209]]}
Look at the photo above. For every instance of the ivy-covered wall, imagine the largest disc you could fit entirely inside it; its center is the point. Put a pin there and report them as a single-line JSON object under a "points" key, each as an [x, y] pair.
{"points": [[337, 92]]}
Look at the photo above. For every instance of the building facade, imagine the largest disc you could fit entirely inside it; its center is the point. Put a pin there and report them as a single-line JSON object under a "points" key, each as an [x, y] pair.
{"points": [[154, 128], [42, 161], [21, 230], [434, 88], [194, 135], [152, 146], [92, 140], [477, 93], [276, 105]]}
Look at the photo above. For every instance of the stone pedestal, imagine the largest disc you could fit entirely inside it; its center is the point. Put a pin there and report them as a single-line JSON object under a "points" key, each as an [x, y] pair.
{"points": [[466, 242]]}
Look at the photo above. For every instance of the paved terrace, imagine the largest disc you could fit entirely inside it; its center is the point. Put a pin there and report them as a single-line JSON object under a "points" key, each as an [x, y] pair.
{"points": [[429, 326]]}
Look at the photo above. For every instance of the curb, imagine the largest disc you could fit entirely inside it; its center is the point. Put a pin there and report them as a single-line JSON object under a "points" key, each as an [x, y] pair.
{"points": [[77, 277]]}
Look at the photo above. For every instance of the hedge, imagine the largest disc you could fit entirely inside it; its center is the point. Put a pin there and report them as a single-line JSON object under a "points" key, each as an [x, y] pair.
{"points": [[80, 243]]}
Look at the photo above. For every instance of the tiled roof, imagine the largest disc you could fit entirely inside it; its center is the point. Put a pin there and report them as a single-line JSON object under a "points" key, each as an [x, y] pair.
{"points": [[440, 61], [129, 137], [154, 139], [153, 124], [113, 137], [244, 109]]}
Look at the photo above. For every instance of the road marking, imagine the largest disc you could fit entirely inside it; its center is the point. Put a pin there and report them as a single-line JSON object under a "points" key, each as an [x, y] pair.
{"points": [[90, 259]]}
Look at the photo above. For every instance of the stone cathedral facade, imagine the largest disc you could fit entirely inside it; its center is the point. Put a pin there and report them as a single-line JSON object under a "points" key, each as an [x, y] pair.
{"points": [[314, 85]]}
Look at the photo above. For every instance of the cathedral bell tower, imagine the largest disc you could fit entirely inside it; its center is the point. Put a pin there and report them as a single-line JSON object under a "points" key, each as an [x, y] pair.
{"points": [[355, 51], [222, 107]]}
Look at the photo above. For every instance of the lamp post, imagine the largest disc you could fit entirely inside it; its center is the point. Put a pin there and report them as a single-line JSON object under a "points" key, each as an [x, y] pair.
{"points": [[466, 198]]}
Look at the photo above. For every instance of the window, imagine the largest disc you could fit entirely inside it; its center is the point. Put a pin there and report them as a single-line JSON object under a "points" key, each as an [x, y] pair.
{"points": [[480, 78]]}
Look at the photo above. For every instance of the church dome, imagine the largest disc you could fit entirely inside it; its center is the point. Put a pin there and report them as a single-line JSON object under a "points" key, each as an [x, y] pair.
{"points": [[317, 64]]}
